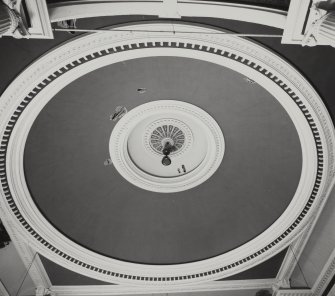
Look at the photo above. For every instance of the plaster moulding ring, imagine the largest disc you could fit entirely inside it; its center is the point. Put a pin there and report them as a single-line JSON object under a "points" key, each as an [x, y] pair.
{"points": [[202, 136], [21, 103]]}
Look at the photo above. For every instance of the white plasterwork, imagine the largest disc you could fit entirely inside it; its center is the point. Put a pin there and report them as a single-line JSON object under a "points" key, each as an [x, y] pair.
{"points": [[28, 255], [294, 292], [39, 18], [3, 290], [293, 253], [40, 25], [89, 44], [297, 247], [170, 8], [201, 166], [327, 273], [296, 17], [303, 24], [104, 290]]}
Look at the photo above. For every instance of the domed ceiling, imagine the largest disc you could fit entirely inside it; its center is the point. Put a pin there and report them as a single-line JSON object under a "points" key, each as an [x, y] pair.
{"points": [[93, 205], [68, 144], [264, 122]]}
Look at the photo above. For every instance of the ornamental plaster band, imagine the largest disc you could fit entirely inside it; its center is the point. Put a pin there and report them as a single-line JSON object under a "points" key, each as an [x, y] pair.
{"points": [[26, 96]]}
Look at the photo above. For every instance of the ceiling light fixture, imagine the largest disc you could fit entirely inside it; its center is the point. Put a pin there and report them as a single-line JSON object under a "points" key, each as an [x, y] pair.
{"points": [[171, 133]]}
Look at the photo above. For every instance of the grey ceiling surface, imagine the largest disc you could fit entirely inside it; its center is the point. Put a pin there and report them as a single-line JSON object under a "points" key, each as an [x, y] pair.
{"points": [[93, 205], [317, 64]]}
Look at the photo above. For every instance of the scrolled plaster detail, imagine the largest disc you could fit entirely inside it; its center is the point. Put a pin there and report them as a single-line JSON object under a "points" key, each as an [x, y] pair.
{"points": [[321, 29]]}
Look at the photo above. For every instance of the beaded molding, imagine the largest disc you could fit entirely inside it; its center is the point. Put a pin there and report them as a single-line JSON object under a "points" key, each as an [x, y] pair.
{"points": [[92, 51]]}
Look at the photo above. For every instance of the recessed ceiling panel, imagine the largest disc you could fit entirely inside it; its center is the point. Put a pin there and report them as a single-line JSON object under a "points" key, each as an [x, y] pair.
{"points": [[76, 207], [95, 206]]}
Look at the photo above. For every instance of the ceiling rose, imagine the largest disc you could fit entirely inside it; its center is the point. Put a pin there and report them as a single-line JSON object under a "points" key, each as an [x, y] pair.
{"points": [[137, 146]]}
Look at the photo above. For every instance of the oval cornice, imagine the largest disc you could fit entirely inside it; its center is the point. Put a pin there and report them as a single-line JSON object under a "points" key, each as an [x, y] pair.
{"points": [[29, 93]]}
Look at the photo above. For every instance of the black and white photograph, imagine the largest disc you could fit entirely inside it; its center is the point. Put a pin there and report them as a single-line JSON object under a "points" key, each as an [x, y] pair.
{"points": [[167, 148]]}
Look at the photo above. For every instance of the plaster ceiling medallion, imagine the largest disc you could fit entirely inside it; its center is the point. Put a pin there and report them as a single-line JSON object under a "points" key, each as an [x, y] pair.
{"points": [[138, 141], [139, 137]]}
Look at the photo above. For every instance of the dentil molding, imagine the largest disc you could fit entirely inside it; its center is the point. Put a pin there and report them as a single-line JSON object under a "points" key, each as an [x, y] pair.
{"points": [[30, 92]]}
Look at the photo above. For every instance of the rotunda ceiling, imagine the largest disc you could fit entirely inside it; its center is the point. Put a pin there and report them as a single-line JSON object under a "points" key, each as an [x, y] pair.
{"points": [[249, 161], [93, 205]]}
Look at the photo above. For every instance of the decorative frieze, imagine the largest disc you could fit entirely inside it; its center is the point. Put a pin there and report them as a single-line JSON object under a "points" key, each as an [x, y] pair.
{"points": [[20, 105]]}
